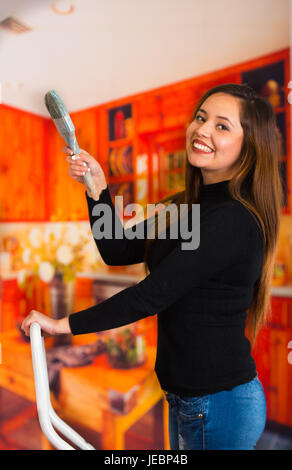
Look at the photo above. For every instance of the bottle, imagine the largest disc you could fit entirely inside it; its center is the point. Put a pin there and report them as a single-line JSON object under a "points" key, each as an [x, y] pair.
{"points": [[119, 125], [280, 274]]}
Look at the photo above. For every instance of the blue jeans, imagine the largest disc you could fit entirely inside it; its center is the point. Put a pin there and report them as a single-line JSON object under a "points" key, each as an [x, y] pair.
{"points": [[225, 420]]}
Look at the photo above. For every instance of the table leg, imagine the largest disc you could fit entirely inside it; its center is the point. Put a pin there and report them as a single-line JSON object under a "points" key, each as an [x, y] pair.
{"points": [[158, 425], [165, 423], [112, 436]]}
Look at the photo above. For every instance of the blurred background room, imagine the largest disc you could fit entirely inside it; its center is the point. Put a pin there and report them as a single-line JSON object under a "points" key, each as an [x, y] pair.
{"points": [[130, 73]]}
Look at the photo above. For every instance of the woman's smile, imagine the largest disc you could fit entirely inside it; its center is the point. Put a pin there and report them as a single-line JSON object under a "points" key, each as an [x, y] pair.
{"points": [[200, 147]]}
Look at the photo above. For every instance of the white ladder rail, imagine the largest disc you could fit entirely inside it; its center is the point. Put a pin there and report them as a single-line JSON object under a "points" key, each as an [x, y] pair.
{"points": [[47, 415]]}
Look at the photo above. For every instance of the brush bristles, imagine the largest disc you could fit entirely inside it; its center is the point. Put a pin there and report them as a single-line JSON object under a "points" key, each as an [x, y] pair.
{"points": [[55, 105]]}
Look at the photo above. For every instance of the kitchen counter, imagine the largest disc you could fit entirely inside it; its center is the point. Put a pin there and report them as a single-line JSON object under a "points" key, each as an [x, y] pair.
{"points": [[279, 291], [114, 277]]}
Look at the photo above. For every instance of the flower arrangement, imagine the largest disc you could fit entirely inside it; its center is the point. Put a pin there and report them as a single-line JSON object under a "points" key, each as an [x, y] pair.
{"points": [[59, 248], [125, 349]]}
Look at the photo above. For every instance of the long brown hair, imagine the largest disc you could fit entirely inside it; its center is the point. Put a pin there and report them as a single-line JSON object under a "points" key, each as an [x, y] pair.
{"points": [[256, 184]]}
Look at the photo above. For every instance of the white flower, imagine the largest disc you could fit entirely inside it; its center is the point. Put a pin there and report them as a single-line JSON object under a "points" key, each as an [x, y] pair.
{"points": [[85, 230], [72, 234], [35, 237], [26, 255], [91, 254], [64, 254], [54, 229], [21, 276], [46, 271]]}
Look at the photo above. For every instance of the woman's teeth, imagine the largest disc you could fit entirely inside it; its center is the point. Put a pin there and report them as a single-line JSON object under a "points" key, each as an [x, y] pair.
{"points": [[202, 147]]}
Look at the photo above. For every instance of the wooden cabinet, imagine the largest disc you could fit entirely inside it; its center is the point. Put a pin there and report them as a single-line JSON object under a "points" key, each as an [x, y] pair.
{"points": [[262, 356], [177, 105], [149, 113], [269, 76], [280, 379], [35, 182], [274, 368], [124, 159], [22, 166], [10, 308]]}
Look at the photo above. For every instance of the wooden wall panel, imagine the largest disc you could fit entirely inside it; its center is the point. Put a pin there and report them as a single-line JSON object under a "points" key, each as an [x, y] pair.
{"points": [[177, 106], [148, 112], [280, 376], [262, 356], [22, 192]]}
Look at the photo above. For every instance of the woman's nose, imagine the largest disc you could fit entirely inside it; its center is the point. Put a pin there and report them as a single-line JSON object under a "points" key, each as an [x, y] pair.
{"points": [[204, 129]]}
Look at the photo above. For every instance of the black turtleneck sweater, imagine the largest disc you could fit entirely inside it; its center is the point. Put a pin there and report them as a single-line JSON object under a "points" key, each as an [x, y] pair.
{"points": [[200, 296]]}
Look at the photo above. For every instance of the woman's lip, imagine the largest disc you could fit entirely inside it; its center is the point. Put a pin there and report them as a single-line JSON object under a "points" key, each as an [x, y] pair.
{"points": [[194, 149]]}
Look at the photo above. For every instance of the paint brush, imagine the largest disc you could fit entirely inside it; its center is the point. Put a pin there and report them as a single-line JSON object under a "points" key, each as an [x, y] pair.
{"points": [[66, 129]]}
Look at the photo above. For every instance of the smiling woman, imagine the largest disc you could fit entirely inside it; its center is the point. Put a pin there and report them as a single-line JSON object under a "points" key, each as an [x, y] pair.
{"points": [[203, 296]]}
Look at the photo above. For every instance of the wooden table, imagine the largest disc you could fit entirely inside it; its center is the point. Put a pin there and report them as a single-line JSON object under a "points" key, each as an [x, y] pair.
{"points": [[86, 392]]}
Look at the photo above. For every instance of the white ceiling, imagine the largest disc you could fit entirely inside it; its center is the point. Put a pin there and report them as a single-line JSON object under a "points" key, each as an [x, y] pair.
{"points": [[109, 49]]}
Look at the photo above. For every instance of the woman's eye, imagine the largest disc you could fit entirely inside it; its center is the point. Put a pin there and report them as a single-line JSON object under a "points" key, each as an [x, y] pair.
{"points": [[224, 128], [202, 119]]}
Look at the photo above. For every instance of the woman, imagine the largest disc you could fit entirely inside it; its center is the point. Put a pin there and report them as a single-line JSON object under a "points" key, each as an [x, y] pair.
{"points": [[203, 296]]}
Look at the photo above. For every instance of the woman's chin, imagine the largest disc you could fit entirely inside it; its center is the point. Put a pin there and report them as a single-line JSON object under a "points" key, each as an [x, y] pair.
{"points": [[200, 160]]}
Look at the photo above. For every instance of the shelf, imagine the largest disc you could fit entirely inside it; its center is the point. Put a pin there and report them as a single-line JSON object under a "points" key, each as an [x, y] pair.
{"points": [[131, 177], [282, 291], [120, 142]]}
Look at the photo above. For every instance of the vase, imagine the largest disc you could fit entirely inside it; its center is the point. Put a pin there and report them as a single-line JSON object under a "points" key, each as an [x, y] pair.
{"points": [[62, 295]]}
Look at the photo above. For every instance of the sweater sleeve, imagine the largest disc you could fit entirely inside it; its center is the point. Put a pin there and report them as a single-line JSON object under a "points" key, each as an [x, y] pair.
{"points": [[114, 251], [224, 242]]}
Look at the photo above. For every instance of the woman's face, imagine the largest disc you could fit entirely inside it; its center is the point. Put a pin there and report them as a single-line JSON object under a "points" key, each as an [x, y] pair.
{"points": [[217, 128]]}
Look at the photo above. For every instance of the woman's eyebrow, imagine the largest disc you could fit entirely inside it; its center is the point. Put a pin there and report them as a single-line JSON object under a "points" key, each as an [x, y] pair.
{"points": [[221, 117]]}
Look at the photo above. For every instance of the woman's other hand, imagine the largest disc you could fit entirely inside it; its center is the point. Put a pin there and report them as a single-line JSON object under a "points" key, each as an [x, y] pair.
{"points": [[81, 163], [49, 326]]}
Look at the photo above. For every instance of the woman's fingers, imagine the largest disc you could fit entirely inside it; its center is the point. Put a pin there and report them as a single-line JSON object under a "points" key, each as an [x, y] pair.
{"points": [[84, 157], [82, 163], [84, 152], [80, 159], [47, 324], [68, 151], [78, 166], [78, 170], [27, 322]]}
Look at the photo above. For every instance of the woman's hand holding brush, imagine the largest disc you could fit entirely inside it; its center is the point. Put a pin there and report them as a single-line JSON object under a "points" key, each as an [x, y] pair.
{"points": [[80, 164]]}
